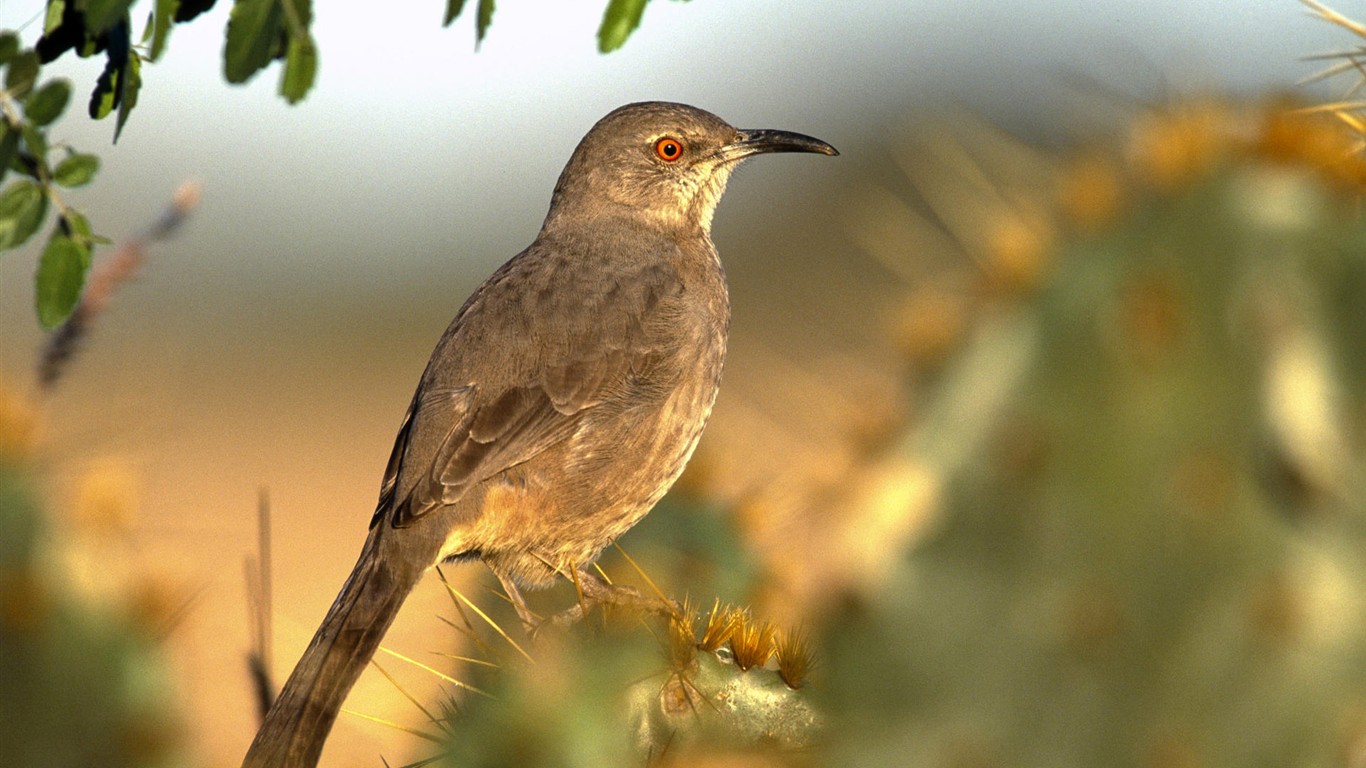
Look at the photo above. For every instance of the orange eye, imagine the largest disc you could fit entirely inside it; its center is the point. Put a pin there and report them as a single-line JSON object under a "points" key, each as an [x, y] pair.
{"points": [[669, 149]]}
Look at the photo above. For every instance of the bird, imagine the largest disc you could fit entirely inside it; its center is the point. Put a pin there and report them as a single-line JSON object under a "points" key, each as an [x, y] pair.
{"points": [[560, 404]]}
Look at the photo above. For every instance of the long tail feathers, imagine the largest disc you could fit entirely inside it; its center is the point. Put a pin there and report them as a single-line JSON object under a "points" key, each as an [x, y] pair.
{"points": [[294, 730]]}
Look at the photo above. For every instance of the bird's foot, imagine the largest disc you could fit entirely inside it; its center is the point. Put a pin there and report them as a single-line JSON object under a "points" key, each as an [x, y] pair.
{"points": [[595, 591]]}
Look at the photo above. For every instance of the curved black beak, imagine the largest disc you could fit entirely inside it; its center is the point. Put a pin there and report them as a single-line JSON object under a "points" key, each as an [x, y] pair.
{"points": [[760, 140]]}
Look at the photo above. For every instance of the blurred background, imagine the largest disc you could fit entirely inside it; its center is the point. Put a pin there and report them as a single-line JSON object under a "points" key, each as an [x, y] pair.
{"points": [[1043, 412]]}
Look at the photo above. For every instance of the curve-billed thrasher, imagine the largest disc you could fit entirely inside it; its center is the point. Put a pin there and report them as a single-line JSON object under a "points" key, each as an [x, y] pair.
{"points": [[562, 401]]}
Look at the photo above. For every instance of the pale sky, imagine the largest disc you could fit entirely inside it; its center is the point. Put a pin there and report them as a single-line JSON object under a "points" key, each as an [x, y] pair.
{"points": [[410, 131]]}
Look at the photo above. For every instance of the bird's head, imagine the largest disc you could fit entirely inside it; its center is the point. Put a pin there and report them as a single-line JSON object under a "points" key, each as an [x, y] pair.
{"points": [[665, 162]]}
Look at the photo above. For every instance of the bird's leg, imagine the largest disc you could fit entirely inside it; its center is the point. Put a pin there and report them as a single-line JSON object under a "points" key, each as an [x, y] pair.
{"points": [[596, 591], [529, 620]]}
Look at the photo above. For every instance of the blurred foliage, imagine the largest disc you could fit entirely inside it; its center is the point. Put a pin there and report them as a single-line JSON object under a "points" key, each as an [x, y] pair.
{"points": [[613, 695], [259, 32], [623, 686], [81, 682], [1154, 555]]}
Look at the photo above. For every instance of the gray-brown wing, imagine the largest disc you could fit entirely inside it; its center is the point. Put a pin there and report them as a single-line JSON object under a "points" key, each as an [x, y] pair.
{"points": [[490, 431], [535, 351], [389, 485]]}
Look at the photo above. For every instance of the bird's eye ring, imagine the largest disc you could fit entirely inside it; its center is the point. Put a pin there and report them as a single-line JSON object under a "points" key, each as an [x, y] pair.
{"points": [[669, 149]]}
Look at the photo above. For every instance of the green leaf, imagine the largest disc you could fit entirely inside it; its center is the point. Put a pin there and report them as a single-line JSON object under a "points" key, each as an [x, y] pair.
{"points": [[64, 29], [618, 22], [253, 34], [36, 144], [163, 16], [119, 83], [298, 15], [56, 11], [9, 46], [482, 21], [147, 28], [105, 96], [132, 83], [23, 206], [191, 8], [23, 70], [100, 15], [110, 87], [76, 170], [47, 103], [9, 145], [301, 66], [77, 227], [300, 52], [453, 9], [61, 275]]}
